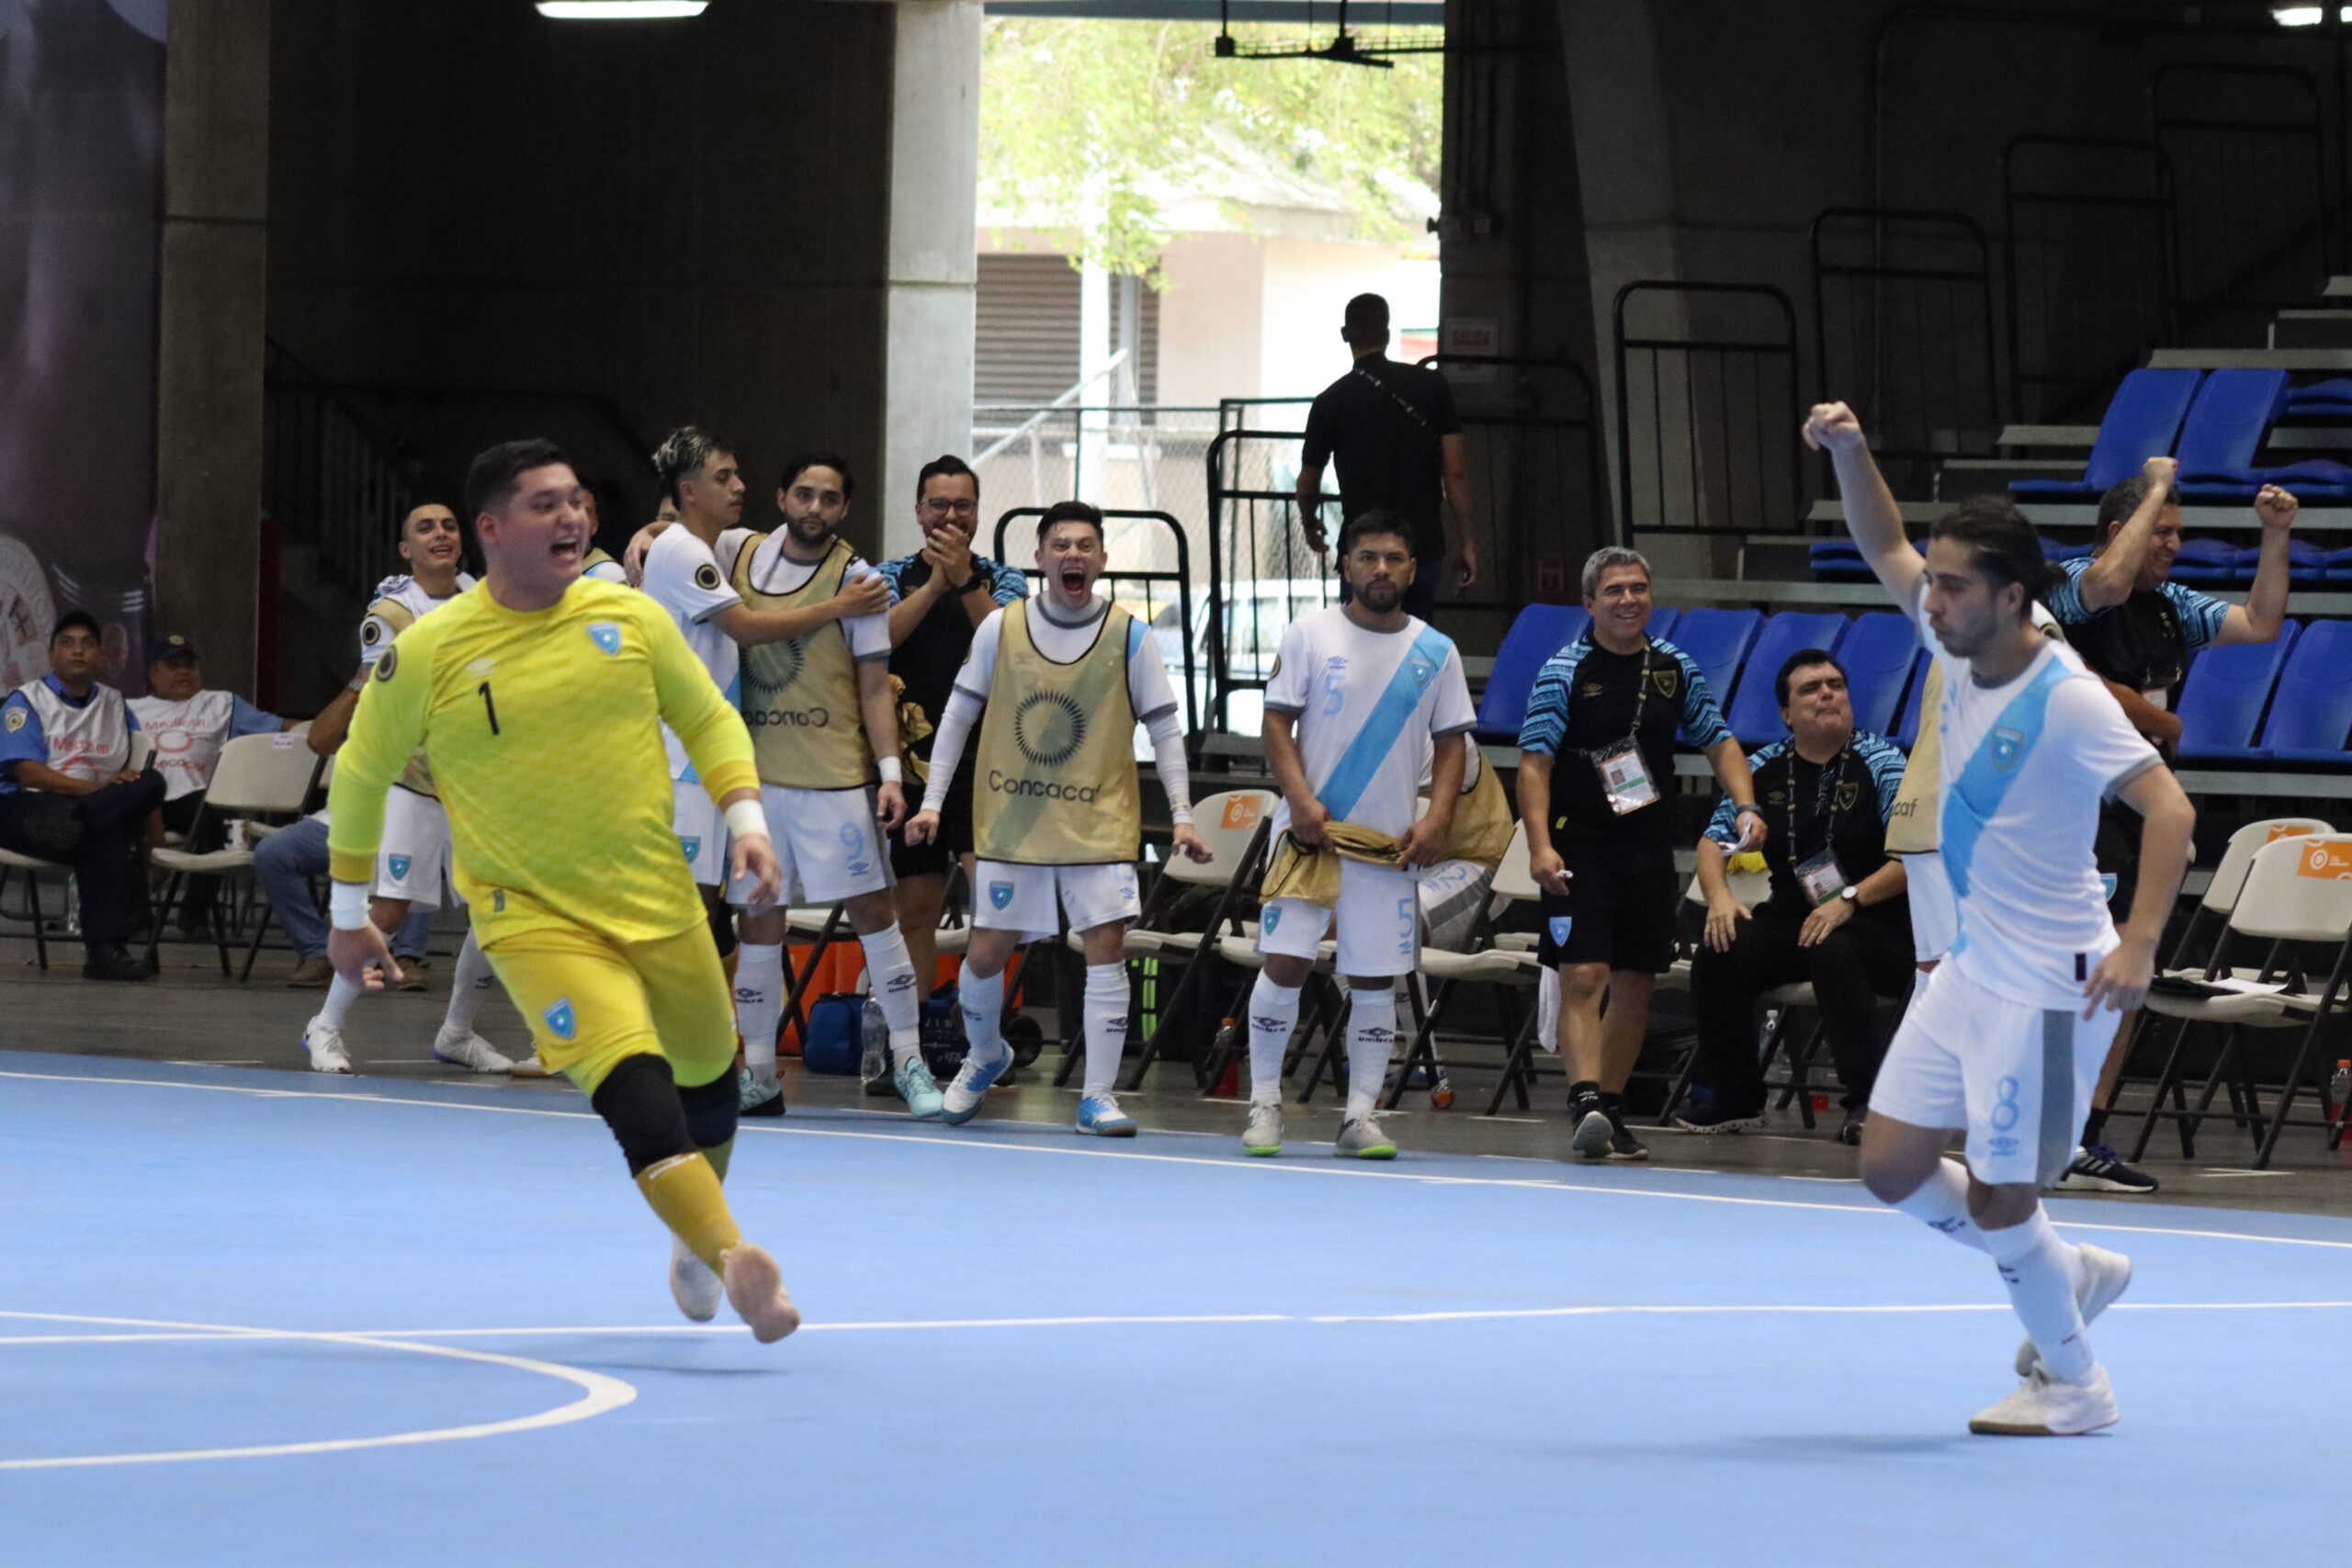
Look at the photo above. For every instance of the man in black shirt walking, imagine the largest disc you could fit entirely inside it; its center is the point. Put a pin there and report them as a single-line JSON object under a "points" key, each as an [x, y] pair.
{"points": [[1837, 916], [1393, 431]]}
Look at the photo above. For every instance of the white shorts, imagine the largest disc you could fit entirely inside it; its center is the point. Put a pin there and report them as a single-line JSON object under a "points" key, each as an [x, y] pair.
{"points": [[2017, 1076], [827, 842], [414, 858], [1935, 915], [1024, 898], [1379, 917], [702, 832]]}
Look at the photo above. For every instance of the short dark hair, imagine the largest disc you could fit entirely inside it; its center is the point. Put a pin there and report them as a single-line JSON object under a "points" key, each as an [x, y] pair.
{"points": [[493, 477], [400, 525], [1367, 319], [1371, 521], [946, 467], [820, 459], [2121, 499], [1071, 512], [1796, 662], [681, 456], [2006, 547], [71, 619]]}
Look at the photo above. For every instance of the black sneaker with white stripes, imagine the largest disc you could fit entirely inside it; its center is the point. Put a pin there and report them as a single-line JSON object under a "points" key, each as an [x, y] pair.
{"points": [[2095, 1169], [1716, 1116]]}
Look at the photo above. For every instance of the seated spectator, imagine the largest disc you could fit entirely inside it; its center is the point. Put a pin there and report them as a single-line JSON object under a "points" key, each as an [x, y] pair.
{"points": [[190, 725], [1837, 915], [68, 792]]}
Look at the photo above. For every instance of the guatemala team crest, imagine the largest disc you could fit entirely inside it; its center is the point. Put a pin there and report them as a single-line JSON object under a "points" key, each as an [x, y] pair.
{"points": [[560, 1020], [2008, 745], [1269, 918], [1561, 925], [1000, 894], [399, 865], [607, 635], [691, 846]]}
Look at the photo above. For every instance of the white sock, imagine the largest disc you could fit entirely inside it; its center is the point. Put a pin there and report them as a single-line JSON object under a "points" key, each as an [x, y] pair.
{"points": [[341, 994], [1371, 1035], [474, 980], [1941, 1204], [2041, 1271], [1106, 1024], [1274, 1015], [896, 989], [759, 1003], [982, 1000]]}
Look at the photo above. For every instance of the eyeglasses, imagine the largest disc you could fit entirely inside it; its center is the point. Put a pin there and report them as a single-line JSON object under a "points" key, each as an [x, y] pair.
{"points": [[940, 506]]}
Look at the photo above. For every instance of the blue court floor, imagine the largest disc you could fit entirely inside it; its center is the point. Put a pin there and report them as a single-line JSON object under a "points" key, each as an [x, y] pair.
{"points": [[256, 1319]]}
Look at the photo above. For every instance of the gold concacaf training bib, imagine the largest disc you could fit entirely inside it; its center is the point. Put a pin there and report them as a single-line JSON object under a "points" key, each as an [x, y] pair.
{"points": [[800, 695], [1057, 770]]}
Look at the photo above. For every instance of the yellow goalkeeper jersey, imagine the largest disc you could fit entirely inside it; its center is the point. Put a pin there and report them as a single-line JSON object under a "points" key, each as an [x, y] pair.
{"points": [[543, 731]]}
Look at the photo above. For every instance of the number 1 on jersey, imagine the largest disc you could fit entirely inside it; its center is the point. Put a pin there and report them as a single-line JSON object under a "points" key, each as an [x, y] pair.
{"points": [[490, 708]]}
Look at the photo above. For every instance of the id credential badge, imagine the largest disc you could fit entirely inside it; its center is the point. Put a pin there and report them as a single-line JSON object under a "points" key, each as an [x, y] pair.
{"points": [[1625, 778], [1821, 878]]}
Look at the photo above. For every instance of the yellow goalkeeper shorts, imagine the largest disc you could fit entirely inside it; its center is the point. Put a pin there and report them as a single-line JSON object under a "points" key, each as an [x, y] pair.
{"points": [[592, 1002]]}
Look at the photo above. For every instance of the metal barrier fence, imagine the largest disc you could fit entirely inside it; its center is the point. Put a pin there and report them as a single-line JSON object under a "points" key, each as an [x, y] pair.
{"points": [[324, 477], [1171, 622], [2247, 145], [2091, 267], [1533, 452], [1147, 458], [1903, 330], [1706, 406], [1261, 575]]}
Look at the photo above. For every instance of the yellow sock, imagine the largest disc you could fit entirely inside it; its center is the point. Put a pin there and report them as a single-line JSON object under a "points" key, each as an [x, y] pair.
{"points": [[718, 1157], [684, 1191]]}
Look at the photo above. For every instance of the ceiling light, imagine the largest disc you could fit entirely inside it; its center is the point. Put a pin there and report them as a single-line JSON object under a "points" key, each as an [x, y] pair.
{"points": [[619, 10], [2305, 15]]}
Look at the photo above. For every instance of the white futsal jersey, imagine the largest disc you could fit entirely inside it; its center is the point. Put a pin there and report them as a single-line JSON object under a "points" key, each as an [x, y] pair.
{"points": [[1369, 706], [2025, 765], [690, 581]]}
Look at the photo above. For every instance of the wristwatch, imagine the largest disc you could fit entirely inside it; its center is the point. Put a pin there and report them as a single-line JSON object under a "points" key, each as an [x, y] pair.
{"points": [[1851, 894], [973, 584]]}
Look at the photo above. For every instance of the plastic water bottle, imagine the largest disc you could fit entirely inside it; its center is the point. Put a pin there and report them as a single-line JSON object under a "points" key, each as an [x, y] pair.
{"points": [[2339, 1085], [873, 1065], [1228, 1082]]}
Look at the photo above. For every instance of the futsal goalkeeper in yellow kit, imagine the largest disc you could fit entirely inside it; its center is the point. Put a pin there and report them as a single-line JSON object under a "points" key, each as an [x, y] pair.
{"points": [[520, 691]]}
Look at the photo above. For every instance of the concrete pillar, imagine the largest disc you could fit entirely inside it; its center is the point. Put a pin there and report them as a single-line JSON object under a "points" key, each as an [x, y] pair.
{"points": [[208, 399], [934, 265]]}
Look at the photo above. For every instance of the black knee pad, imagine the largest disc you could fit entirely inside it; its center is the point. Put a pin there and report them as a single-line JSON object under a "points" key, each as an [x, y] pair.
{"points": [[639, 1100], [712, 1110]]}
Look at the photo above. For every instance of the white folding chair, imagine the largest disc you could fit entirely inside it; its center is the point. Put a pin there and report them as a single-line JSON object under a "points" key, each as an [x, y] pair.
{"points": [[1233, 824], [257, 775]]}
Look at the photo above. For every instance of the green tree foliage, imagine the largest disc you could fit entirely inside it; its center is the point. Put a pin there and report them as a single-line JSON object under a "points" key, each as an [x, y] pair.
{"points": [[1092, 123]]}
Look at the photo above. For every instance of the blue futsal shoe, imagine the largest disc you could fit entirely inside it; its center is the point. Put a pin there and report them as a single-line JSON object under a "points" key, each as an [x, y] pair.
{"points": [[971, 1088], [919, 1089], [1100, 1114]]}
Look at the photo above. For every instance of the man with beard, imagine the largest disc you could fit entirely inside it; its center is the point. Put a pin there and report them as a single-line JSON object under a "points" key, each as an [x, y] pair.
{"points": [[1364, 697], [825, 730], [1055, 686]]}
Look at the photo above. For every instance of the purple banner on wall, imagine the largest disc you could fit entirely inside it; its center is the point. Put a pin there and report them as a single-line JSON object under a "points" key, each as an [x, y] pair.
{"points": [[81, 209]]}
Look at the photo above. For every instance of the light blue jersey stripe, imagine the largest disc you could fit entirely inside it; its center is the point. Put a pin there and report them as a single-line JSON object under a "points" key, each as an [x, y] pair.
{"points": [[1360, 763], [1976, 795]]}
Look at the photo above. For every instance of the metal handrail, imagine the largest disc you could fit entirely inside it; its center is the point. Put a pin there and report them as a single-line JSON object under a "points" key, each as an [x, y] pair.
{"points": [[1067, 399]]}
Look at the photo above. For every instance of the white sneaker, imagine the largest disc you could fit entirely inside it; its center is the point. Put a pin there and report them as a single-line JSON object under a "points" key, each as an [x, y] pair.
{"points": [[325, 1047], [529, 1066], [2047, 1406], [1263, 1134], [464, 1048], [2105, 1276], [694, 1284]]}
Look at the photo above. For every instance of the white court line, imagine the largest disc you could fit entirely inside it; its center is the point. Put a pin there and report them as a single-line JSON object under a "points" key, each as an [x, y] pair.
{"points": [[600, 1393], [1351, 1172]]}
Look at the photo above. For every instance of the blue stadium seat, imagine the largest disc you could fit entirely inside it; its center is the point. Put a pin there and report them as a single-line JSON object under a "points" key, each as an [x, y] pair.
{"points": [[2221, 701], [2306, 564], [2141, 420], [2224, 431], [1838, 560], [1754, 711], [1716, 641], [2312, 716], [2054, 552], [1878, 653], [1907, 732], [1540, 631], [1662, 621], [2338, 564], [2321, 401], [2205, 563]]}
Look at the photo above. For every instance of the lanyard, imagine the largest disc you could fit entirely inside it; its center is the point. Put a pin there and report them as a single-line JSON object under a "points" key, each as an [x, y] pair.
{"points": [[1829, 840]]}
